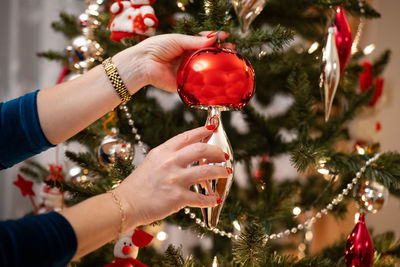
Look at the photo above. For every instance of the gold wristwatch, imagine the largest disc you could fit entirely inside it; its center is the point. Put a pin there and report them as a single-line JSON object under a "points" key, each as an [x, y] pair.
{"points": [[116, 81]]}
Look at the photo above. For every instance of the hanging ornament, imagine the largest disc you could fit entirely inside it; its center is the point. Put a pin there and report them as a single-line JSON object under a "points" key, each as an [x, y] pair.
{"points": [[247, 11], [216, 79], [85, 48], [366, 81], [343, 38], [329, 79], [112, 147], [373, 196], [132, 18], [359, 247], [26, 190], [127, 248], [55, 173]]}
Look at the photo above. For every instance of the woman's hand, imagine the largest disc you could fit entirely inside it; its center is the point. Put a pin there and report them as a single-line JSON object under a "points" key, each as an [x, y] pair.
{"points": [[158, 58], [160, 185]]}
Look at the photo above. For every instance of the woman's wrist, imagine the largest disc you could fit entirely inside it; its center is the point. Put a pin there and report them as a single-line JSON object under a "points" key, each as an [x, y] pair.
{"points": [[132, 69], [132, 216]]}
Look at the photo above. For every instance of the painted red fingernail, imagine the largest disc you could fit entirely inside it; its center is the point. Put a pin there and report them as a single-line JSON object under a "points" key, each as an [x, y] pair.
{"points": [[229, 170], [219, 201], [212, 34], [226, 156], [211, 127]]}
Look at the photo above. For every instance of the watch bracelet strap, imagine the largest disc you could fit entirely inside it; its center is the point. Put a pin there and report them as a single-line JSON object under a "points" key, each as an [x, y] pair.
{"points": [[116, 81]]}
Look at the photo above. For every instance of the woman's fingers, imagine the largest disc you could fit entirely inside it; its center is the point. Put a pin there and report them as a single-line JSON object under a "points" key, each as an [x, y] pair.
{"points": [[213, 35], [197, 174], [196, 152], [188, 42], [196, 200], [187, 138]]}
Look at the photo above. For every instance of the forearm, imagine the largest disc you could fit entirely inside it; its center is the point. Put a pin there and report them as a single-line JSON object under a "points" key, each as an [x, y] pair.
{"points": [[66, 109], [96, 222]]}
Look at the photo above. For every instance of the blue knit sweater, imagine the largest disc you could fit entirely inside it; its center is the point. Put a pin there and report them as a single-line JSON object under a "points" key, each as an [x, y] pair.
{"points": [[42, 240]]}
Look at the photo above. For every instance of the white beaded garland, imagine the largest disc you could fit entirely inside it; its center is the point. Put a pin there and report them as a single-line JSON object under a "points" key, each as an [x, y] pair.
{"points": [[131, 123], [308, 222]]}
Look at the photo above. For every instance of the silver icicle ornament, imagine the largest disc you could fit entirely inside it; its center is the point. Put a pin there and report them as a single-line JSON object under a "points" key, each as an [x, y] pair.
{"points": [[330, 76]]}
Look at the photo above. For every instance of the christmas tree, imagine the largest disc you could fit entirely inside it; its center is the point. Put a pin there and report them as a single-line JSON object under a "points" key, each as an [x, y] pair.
{"points": [[295, 48]]}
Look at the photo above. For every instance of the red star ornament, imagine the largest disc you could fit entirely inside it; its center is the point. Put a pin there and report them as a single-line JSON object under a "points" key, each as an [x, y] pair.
{"points": [[25, 186]]}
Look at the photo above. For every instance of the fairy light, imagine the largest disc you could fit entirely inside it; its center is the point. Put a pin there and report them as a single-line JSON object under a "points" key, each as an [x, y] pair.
{"points": [[360, 150], [162, 236], [74, 171], [301, 248], [369, 49], [296, 211], [180, 5], [322, 170], [313, 47], [309, 236], [236, 225], [207, 7], [215, 262]]}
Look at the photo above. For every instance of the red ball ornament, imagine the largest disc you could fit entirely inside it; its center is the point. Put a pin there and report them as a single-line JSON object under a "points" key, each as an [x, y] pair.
{"points": [[343, 38], [359, 247], [217, 77]]}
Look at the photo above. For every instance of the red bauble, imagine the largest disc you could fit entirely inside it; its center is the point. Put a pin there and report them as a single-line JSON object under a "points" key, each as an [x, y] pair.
{"points": [[216, 76], [343, 38], [359, 247], [366, 81]]}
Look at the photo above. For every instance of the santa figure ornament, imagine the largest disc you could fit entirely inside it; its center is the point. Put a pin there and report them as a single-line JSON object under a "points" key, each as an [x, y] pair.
{"points": [[132, 18], [127, 247]]}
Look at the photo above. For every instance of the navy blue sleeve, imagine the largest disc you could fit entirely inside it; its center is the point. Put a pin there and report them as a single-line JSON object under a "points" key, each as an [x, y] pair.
{"points": [[41, 240], [21, 135]]}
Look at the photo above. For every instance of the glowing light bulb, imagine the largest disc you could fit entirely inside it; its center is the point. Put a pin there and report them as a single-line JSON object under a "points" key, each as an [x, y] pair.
{"points": [[323, 171], [313, 47], [296, 211], [215, 262], [180, 5], [236, 225], [162, 236], [369, 49], [309, 235]]}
